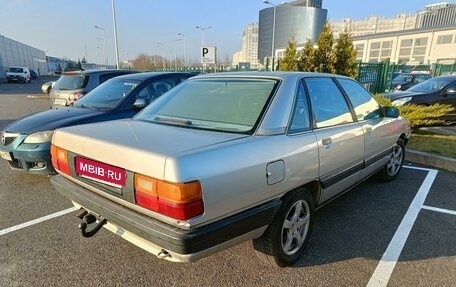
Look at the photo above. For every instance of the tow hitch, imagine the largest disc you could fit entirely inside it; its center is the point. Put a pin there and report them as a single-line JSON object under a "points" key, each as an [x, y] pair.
{"points": [[88, 219]]}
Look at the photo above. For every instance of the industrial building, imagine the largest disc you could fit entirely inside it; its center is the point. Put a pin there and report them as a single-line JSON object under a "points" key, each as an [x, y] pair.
{"points": [[14, 53]]}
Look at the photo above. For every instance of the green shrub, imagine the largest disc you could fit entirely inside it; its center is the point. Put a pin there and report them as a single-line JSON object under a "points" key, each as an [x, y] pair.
{"points": [[420, 115]]}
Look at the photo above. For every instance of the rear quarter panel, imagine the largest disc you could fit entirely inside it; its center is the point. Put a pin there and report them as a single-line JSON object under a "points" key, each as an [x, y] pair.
{"points": [[233, 174]]}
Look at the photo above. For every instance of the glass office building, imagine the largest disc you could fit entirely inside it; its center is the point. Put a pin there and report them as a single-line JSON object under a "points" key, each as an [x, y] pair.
{"points": [[297, 21]]}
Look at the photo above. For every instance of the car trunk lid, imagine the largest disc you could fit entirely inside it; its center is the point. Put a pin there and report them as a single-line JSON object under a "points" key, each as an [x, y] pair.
{"points": [[147, 145]]}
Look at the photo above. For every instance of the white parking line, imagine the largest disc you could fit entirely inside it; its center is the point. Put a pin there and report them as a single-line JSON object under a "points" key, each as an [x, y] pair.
{"points": [[439, 210], [385, 267], [36, 221]]}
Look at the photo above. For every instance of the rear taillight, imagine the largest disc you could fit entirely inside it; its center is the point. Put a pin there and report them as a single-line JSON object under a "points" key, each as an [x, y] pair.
{"points": [[59, 158], [75, 96], [177, 200]]}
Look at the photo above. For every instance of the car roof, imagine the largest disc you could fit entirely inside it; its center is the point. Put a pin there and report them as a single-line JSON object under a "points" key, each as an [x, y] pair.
{"points": [[266, 74], [413, 74], [97, 71], [145, 75], [449, 77]]}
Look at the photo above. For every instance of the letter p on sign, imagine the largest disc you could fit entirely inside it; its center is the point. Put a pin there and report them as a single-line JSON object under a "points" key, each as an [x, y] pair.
{"points": [[208, 55]]}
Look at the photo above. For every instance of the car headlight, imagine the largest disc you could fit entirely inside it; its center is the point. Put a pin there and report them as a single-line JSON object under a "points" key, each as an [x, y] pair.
{"points": [[39, 137], [398, 87], [401, 101]]}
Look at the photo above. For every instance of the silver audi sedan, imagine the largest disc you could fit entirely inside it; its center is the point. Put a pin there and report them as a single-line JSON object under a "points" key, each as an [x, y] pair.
{"points": [[229, 157]]}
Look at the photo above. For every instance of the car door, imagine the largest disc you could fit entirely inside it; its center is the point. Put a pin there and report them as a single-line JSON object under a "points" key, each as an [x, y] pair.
{"points": [[340, 138], [378, 134]]}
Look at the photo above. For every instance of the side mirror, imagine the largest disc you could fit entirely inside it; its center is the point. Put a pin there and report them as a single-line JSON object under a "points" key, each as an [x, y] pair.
{"points": [[140, 103], [391, 112], [450, 91]]}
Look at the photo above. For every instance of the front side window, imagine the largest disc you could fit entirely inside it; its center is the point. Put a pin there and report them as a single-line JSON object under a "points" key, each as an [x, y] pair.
{"points": [[365, 106], [221, 104], [329, 106]]}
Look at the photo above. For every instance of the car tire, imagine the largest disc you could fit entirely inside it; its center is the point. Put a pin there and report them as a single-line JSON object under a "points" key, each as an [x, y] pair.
{"points": [[287, 236], [394, 165]]}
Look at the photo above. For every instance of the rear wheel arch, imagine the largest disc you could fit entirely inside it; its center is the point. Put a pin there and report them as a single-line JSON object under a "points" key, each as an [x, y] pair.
{"points": [[286, 237], [314, 187]]}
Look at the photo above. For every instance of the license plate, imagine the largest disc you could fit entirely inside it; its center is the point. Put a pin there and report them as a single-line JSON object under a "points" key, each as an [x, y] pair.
{"points": [[60, 102], [5, 155], [108, 174]]}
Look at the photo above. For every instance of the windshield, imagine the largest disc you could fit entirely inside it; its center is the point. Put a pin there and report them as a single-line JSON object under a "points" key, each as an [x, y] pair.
{"points": [[16, 70], [71, 82], [107, 95], [430, 85], [221, 104], [403, 78]]}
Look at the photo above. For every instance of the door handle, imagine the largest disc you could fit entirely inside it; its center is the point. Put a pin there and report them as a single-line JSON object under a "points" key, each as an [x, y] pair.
{"points": [[326, 141]]}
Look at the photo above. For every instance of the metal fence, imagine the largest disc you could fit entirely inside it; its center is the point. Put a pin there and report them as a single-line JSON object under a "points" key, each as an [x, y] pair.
{"points": [[377, 77]]}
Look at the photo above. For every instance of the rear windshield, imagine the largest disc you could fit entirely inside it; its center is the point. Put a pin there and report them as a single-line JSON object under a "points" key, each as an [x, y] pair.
{"points": [[16, 70], [71, 82], [225, 104]]}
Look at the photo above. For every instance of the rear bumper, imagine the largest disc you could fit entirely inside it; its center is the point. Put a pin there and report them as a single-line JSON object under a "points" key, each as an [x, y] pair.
{"points": [[183, 245]]}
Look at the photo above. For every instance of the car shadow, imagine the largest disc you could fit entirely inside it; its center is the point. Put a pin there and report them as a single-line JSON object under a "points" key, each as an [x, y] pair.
{"points": [[362, 222]]}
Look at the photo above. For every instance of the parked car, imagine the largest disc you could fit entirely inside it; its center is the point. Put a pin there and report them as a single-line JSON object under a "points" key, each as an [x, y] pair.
{"points": [[46, 87], [406, 80], [225, 158], [441, 90], [18, 74], [25, 143], [33, 74], [75, 84]]}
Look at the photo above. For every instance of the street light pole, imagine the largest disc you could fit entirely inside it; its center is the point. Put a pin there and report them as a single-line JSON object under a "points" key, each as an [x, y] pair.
{"points": [[98, 47], [104, 52], [115, 34], [273, 31], [202, 41], [104, 40], [175, 56], [185, 52], [161, 54]]}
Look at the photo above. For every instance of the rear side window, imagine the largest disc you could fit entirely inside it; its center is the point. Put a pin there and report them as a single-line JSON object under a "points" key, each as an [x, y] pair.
{"points": [[300, 120], [365, 106], [71, 82], [329, 107]]}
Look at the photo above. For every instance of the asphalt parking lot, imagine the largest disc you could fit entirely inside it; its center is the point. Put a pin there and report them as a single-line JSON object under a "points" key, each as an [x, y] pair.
{"points": [[401, 233]]}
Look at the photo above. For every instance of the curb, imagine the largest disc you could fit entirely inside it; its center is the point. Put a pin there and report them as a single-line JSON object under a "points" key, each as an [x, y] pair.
{"points": [[431, 160], [38, 96]]}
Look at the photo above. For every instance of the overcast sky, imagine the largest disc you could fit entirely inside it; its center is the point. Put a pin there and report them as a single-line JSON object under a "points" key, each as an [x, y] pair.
{"points": [[65, 28]]}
